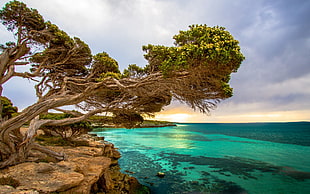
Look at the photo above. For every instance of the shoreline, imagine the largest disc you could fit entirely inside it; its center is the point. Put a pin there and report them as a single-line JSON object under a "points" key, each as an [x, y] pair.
{"points": [[141, 126], [86, 169]]}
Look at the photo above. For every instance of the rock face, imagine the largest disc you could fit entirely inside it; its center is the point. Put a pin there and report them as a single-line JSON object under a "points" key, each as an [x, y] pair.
{"points": [[87, 169], [44, 177]]}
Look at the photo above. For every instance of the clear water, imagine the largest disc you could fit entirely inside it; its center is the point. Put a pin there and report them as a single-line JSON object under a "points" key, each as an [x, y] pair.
{"points": [[217, 158]]}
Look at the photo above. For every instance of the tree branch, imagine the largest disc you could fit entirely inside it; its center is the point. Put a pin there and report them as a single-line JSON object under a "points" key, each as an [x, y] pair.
{"points": [[68, 121], [8, 75]]}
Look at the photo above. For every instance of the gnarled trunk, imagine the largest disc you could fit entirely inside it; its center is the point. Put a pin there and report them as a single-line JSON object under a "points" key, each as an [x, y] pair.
{"points": [[16, 148]]}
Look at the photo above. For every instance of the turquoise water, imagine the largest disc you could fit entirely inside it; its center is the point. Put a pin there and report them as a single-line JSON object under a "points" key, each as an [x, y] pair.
{"points": [[217, 158]]}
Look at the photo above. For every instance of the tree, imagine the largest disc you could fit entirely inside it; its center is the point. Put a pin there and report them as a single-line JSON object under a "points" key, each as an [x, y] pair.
{"points": [[195, 71], [7, 109], [66, 132]]}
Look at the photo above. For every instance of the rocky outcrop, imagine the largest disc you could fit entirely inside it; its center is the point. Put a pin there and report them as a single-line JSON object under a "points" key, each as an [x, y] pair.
{"points": [[87, 169], [44, 177]]}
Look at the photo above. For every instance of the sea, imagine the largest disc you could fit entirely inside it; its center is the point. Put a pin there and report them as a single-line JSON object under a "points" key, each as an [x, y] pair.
{"points": [[225, 158]]}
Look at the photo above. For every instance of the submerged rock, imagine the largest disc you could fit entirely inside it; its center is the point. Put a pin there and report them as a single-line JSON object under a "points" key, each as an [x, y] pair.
{"points": [[160, 174]]}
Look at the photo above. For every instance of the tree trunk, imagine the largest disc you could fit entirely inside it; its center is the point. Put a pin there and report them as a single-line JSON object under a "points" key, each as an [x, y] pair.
{"points": [[12, 152], [20, 146], [16, 147]]}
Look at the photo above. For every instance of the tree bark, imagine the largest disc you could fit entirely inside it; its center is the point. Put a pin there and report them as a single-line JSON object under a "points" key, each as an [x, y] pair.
{"points": [[16, 151]]}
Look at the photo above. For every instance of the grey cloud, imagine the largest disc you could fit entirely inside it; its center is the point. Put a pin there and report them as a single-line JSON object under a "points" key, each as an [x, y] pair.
{"points": [[274, 37], [276, 46]]}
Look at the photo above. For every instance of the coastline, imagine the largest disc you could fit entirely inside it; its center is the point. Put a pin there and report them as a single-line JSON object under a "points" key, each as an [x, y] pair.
{"points": [[213, 158], [87, 169], [143, 125]]}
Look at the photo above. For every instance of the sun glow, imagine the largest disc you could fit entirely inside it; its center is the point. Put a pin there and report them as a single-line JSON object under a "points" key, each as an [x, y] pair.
{"points": [[186, 115], [178, 117]]}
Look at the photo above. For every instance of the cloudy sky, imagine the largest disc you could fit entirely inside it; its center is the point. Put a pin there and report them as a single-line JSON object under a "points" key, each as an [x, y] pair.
{"points": [[272, 84]]}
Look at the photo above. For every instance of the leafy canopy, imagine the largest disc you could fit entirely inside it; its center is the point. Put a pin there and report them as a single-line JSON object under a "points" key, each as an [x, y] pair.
{"points": [[104, 66], [208, 53], [21, 20], [196, 70], [213, 47]]}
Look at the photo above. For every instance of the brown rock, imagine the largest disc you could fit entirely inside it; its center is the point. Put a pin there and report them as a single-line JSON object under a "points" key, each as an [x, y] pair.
{"points": [[6, 189], [92, 168], [44, 177], [87, 169]]}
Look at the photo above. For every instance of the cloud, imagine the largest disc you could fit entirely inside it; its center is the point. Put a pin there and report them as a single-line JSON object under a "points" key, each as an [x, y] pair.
{"points": [[117, 27], [276, 71], [274, 37]]}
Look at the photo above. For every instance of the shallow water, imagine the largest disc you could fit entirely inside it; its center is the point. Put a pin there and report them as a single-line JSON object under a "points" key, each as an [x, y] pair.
{"points": [[217, 158]]}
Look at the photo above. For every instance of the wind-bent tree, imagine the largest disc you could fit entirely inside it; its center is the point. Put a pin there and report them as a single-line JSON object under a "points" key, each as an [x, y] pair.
{"points": [[195, 71]]}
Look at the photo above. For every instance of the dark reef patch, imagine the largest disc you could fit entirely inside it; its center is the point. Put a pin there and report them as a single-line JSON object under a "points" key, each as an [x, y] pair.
{"points": [[145, 168]]}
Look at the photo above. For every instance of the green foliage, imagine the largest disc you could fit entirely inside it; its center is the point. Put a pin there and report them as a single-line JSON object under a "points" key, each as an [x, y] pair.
{"points": [[155, 104], [65, 131], [103, 63], [157, 56], [127, 120], [64, 56], [134, 71], [195, 71], [210, 50], [55, 116], [210, 44], [48, 140], [109, 74], [9, 181], [7, 108], [156, 123], [213, 47], [59, 37], [21, 20], [96, 118], [59, 116]]}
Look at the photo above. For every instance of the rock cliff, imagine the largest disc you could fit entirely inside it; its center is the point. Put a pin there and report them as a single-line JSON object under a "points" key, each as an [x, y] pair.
{"points": [[87, 169]]}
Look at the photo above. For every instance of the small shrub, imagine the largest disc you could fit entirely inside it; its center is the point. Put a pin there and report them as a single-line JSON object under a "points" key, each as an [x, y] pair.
{"points": [[59, 141], [65, 131], [52, 140]]}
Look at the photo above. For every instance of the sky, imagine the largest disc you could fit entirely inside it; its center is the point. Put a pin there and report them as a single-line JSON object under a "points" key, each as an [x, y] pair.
{"points": [[272, 84]]}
